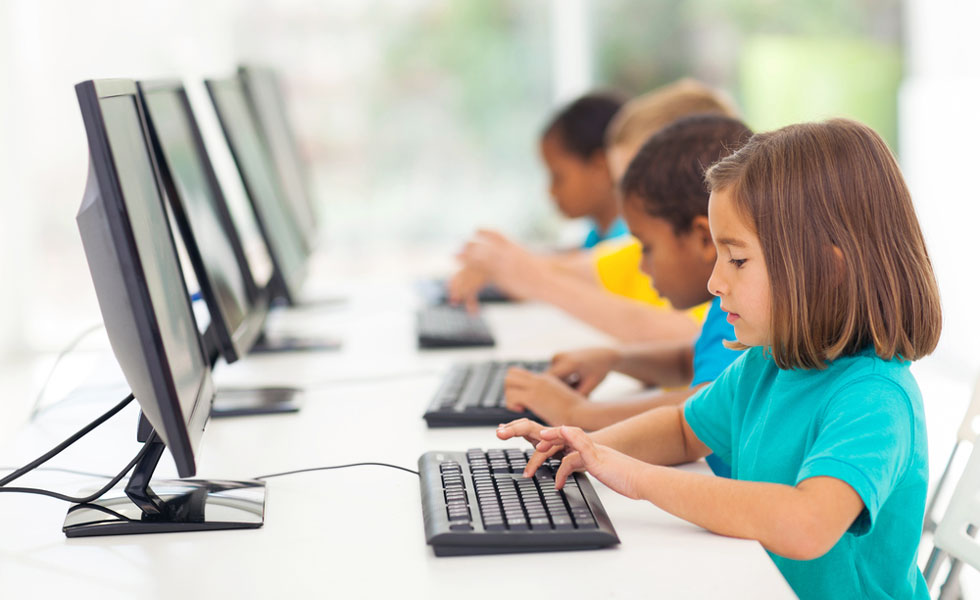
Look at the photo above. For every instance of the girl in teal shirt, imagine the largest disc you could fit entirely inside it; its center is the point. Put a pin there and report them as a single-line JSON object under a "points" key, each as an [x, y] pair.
{"points": [[825, 277]]}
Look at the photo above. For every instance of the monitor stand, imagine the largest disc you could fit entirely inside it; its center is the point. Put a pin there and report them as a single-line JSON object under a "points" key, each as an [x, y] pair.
{"points": [[293, 343], [241, 402], [175, 505], [319, 302]]}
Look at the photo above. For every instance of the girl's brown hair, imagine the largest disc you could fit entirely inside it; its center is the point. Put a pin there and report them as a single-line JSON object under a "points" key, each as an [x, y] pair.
{"points": [[847, 263]]}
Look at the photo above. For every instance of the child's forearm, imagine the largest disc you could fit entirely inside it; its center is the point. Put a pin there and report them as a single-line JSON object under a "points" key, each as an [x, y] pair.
{"points": [[596, 415], [656, 437], [662, 363], [625, 319], [577, 263], [788, 521]]}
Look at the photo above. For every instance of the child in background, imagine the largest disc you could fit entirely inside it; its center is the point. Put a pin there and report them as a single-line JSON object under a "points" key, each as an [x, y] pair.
{"points": [[666, 206], [573, 152], [615, 263], [575, 283], [823, 270]]}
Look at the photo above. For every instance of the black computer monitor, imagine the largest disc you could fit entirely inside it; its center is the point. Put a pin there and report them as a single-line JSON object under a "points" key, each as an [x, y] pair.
{"points": [[147, 312], [279, 224], [264, 93], [237, 304]]}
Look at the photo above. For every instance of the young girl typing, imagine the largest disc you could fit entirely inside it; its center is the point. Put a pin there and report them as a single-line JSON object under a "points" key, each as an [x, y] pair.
{"points": [[824, 274]]}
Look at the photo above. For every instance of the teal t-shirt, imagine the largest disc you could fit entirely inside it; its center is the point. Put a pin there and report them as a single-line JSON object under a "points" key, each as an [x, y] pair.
{"points": [[617, 229], [861, 421]]}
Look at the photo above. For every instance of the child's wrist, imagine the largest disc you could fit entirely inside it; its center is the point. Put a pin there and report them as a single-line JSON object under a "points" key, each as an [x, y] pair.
{"points": [[580, 413], [644, 478], [617, 356]]}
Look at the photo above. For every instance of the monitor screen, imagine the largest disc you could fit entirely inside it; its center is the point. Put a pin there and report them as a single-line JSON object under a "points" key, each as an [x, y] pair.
{"points": [[199, 208], [279, 224], [266, 97], [135, 267]]}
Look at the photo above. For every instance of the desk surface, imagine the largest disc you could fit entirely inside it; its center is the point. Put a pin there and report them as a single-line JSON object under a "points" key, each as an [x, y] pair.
{"points": [[353, 532]]}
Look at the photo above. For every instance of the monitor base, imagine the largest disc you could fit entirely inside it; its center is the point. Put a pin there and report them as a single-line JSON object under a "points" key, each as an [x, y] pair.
{"points": [[188, 505], [241, 402], [292, 343], [321, 302]]}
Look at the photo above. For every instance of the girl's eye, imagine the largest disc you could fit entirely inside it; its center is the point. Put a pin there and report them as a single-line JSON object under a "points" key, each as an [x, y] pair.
{"points": [[738, 262], [645, 250]]}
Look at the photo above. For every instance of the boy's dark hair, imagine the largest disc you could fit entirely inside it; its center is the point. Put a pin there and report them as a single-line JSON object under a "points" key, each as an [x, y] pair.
{"points": [[667, 174], [581, 126]]}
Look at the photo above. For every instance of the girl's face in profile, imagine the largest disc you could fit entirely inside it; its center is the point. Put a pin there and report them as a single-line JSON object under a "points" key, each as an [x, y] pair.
{"points": [[740, 277]]}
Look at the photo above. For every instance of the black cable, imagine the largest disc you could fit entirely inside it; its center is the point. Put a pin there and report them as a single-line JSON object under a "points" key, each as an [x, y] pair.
{"points": [[104, 476], [360, 464], [64, 470], [85, 499], [36, 409], [68, 442]]}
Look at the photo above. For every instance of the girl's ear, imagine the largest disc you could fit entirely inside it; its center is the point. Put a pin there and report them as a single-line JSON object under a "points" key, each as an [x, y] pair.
{"points": [[701, 235]]}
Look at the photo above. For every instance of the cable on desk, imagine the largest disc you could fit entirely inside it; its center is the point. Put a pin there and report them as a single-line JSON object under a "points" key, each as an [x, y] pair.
{"points": [[68, 442], [84, 499], [360, 464], [36, 408], [64, 470]]}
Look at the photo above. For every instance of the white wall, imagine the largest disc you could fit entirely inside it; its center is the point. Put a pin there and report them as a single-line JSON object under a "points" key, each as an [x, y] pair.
{"points": [[48, 46], [939, 126]]}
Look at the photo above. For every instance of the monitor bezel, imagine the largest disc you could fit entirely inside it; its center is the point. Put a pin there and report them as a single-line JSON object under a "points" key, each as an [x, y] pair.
{"points": [[181, 433], [233, 341]]}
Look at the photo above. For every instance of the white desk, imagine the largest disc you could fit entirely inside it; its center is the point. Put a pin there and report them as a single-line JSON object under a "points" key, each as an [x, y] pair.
{"points": [[356, 532]]}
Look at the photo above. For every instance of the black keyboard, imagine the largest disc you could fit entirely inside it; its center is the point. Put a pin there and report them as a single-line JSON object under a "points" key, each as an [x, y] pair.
{"points": [[451, 327], [479, 503], [473, 394], [436, 291]]}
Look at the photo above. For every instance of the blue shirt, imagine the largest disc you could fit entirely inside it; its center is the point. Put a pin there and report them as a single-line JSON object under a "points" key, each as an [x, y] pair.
{"points": [[617, 229], [860, 420], [711, 357]]}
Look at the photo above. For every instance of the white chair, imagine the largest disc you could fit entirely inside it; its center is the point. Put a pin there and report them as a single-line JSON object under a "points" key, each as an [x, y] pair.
{"points": [[953, 534]]}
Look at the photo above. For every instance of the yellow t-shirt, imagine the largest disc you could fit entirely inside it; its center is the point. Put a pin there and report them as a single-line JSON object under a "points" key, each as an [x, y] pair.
{"points": [[618, 268]]}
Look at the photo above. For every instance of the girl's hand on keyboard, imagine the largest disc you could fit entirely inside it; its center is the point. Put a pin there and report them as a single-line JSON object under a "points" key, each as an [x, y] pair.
{"points": [[525, 428], [615, 469], [586, 367], [543, 394]]}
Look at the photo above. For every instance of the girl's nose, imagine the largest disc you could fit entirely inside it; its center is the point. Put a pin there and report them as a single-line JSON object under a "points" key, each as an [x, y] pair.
{"points": [[716, 285]]}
